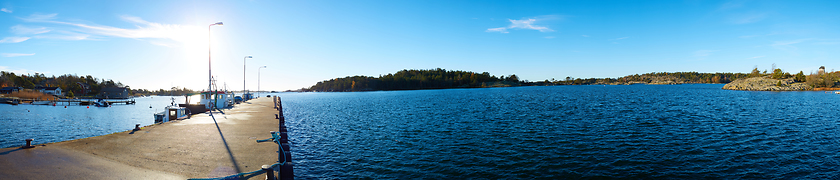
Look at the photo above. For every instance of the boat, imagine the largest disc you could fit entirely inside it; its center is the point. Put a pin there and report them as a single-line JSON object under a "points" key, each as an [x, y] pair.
{"points": [[10, 100], [221, 99], [102, 103], [172, 112], [40, 103]]}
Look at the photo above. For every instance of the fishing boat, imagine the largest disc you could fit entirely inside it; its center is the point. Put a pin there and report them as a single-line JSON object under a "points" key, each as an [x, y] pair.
{"points": [[219, 99], [172, 112]]}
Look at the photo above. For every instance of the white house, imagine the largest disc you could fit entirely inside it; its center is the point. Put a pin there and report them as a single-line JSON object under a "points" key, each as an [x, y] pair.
{"points": [[50, 90]]}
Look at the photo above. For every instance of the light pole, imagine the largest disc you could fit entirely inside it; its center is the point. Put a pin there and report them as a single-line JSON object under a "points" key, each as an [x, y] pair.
{"points": [[209, 67], [243, 75], [258, 79]]}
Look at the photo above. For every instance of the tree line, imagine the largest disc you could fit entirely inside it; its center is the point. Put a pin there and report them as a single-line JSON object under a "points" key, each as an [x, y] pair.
{"points": [[411, 79], [415, 79], [73, 85]]}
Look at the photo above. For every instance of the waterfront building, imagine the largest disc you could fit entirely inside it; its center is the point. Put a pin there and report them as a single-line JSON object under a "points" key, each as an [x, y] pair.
{"points": [[56, 91], [7, 90], [114, 93]]}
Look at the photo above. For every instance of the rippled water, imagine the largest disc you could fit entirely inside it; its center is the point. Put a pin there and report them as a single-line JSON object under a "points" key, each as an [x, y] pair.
{"points": [[638, 131], [48, 124]]}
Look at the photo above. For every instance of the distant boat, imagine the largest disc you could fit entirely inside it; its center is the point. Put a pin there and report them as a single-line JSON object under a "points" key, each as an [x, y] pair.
{"points": [[40, 103], [12, 100], [102, 103]]}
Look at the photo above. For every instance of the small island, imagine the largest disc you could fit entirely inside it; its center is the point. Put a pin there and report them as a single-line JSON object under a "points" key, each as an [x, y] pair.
{"points": [[779, 80]]}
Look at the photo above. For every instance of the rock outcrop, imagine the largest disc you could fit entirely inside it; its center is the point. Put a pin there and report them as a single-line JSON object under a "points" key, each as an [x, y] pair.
{"points": [[767, 84]]}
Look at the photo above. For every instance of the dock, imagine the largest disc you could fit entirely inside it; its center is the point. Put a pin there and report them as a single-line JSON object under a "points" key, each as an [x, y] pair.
{"points": [[203, 146]]}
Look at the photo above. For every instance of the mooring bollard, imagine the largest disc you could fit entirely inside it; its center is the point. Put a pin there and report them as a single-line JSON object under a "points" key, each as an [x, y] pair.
{"points": [[269, 173], [276, 116], [137, 127], [29, 143]]}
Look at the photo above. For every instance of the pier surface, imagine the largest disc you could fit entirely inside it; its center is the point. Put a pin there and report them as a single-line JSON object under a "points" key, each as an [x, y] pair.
{"points": [[199, 147]]}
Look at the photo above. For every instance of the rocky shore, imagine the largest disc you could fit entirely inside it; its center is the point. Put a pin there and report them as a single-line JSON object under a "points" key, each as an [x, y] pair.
{"points": [[767, 84]]}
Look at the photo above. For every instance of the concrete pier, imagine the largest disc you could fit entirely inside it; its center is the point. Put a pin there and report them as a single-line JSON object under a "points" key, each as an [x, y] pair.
{"points": [[199, 147]]}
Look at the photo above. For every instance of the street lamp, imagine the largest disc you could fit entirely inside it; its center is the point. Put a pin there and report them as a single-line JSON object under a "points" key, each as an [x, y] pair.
{"points": [[258, 79], [243, 74], [209, 68]]}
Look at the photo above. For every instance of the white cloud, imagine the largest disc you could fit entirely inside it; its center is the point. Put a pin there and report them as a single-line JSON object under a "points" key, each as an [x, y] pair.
{"points": [[703, 52], [585, 35], [6, 10], [156, 32], [756, 57], [526, 23], [39, 17], [15, 54], [501, 30], [621, 38], [20, 29], [13, 39]]}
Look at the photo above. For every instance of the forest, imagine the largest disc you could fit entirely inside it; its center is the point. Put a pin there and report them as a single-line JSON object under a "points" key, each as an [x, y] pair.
{"points": [[73, 85], [415, 79]]}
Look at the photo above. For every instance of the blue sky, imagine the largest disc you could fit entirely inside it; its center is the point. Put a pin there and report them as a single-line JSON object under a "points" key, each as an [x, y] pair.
{"points": [[160, 44]]}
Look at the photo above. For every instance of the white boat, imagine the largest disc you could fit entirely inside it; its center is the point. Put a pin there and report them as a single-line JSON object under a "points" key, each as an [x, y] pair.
{"points": [[221, 99], [172, 112], [40, 103], [102, 103]]}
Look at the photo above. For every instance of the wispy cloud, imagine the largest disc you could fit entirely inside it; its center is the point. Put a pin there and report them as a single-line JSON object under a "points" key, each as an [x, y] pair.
{"points": [[585, 35], [19, 71], [6, 10], [525, 23], [500, 30], [703, 52], [37, 17], [20, 29], [13, 39], [787, 45], [156, 33], [747, 18], [15, 54], [549, 37], [756, 57], [620, 38]]}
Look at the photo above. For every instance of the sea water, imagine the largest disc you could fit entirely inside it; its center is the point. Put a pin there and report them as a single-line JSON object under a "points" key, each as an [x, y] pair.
{"points": [[48, 123], [554, 132], [559, 132]]}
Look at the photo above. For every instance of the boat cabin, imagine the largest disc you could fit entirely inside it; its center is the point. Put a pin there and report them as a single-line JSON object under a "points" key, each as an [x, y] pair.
{"points": [[171, 113]]}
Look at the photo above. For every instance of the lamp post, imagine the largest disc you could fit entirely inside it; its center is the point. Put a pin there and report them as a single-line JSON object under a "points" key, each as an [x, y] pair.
{"points": [[243, 74], [209, 67], [258, 79]]}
